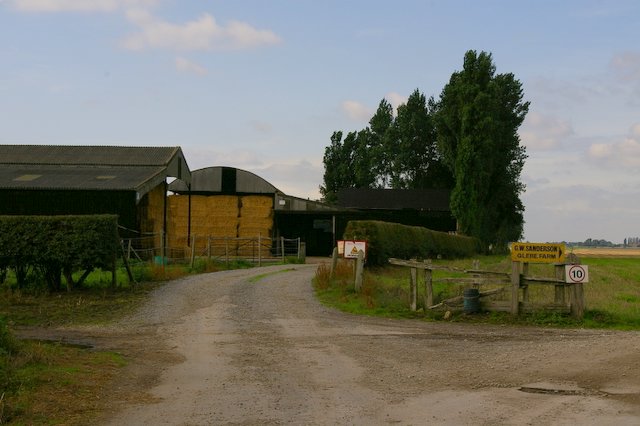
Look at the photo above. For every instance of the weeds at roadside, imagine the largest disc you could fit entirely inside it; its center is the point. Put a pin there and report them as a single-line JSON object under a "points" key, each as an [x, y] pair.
{"points": [[611, 296]]}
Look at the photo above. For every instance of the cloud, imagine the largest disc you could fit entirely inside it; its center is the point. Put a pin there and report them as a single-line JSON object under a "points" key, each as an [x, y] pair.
{"points": [[396, 99], [294, 178], [544, 132], [261, 126], [203, 33], [357, 111], [569, 213], [52, 6], [185, 65], [627, 66], [625, 153]]}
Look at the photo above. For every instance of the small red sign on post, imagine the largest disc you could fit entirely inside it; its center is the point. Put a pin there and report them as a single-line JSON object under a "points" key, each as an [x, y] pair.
{"points": [[352, 247]]}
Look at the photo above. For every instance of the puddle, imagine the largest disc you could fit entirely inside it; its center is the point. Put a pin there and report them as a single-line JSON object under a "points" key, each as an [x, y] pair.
{"points": [[565, 389], [67, 343]]}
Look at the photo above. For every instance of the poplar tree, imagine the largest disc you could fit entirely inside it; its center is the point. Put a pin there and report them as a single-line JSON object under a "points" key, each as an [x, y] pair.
{"points": [[477, 123]]}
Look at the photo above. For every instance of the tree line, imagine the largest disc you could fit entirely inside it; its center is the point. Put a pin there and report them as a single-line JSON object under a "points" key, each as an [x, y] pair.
{"points": [[466, 141]]}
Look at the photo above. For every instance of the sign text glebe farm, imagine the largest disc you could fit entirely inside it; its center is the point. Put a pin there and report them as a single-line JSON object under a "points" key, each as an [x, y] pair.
{"points": [[537, 252]]}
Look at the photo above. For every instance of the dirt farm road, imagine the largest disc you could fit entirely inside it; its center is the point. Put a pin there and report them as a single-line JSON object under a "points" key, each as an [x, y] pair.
{"points": [[253, 347]]}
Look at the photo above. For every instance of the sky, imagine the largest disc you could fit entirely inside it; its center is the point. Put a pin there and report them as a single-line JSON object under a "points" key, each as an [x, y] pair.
{"points": [[261, 85]]}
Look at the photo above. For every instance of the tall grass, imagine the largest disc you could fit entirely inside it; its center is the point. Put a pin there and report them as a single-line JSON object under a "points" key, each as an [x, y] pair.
{"points": [[612, 295]]}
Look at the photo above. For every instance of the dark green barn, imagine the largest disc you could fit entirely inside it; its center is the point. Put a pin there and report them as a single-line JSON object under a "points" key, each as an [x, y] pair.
{"points": [[56, 180]]}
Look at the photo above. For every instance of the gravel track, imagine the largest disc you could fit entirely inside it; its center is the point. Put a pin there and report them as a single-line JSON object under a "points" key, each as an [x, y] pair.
{"points": [[228, 349]]}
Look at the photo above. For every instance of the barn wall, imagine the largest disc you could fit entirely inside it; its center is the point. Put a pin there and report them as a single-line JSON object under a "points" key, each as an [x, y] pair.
{"points": [[71, 202]]}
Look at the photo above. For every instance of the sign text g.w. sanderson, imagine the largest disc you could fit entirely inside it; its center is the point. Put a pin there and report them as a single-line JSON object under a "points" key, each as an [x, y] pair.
{"points": [[538, 252]]}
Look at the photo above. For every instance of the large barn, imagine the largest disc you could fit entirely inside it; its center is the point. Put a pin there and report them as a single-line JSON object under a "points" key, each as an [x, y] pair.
{"points": [[54, 180], [235, 203]]}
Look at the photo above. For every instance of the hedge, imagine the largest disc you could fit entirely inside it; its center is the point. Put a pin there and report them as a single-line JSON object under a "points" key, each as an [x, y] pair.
{"points": [[386, 240], [56, 245]]}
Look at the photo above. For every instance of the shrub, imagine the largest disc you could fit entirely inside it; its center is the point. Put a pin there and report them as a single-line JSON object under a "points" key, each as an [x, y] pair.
{"points": [[56, 245], [387, 240], [8, 343]]}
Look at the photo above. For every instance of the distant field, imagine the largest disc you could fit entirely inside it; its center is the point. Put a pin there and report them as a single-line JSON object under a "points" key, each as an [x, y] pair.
{"points": [[605, 251]]}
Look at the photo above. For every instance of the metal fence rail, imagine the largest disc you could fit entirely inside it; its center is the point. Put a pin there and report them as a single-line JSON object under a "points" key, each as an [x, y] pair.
{"points": [[221, 249]]}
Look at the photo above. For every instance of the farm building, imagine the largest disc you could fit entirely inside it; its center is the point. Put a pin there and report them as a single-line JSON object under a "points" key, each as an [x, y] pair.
{"points": [[55, 180], [218, 202], [235, 203]]}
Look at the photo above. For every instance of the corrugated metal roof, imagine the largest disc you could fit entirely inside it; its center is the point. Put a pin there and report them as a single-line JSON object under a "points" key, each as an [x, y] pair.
{"points": [[78, 177], [89, 167], [87, 155], [395, 199], [224, 179]]}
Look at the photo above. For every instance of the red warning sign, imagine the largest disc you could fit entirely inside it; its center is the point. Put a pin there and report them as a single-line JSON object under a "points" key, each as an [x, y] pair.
{"points": [[352, 248]]}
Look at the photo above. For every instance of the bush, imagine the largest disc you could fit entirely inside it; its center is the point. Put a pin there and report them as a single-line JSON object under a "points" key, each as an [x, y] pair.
{"points": [[56, 245], [8, 343], [386, 240]]}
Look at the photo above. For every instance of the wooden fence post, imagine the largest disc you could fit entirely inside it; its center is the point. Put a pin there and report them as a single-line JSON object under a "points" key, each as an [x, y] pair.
{"points": [[359, 271], [515, 286], [193, 250], [282, 246], [525, 290], [334, 261], [413, 302], [559, 289], [577, 300], [303, 252], [162, 250], [428, 289]]}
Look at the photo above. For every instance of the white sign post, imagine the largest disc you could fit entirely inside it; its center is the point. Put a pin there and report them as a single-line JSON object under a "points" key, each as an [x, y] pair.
{"points": [[351, 249], [576, 274]]}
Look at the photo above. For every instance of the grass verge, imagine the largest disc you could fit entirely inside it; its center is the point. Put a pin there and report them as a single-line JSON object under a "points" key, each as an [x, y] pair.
{"points": [[612, 295], [49, 383]]}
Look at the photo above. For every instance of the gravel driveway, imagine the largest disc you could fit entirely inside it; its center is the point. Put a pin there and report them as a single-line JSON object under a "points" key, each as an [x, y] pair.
{"points": [[253, 347]]}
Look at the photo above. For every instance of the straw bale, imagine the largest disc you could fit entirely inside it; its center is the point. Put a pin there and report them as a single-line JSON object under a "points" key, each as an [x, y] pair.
{"points": [[178, 202], [257, 201], [256, 222], [256, 206], [253, 231], [226, 202], [256, 213], [222, 231], [178, 241]]}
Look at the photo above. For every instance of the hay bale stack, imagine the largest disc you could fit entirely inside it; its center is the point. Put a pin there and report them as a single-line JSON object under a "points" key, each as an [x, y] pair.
{"points": [[256, 216], [256, 219], [152, 213], [177, 220], [217, 216], [256, 206]]}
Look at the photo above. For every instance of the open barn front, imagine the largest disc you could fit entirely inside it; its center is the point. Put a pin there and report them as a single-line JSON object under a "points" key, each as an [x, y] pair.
{"points": [[315, 229]]}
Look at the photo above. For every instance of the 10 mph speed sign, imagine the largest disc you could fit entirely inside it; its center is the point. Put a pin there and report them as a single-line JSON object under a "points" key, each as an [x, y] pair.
{"points": [[576, 274]]}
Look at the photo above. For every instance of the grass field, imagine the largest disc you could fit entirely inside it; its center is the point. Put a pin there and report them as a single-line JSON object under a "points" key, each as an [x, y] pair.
{"points": [[612, 252], [612, 295]]}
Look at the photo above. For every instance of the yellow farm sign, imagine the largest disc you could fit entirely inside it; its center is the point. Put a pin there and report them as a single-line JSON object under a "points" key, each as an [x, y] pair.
{"points": [[538, 252]]}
